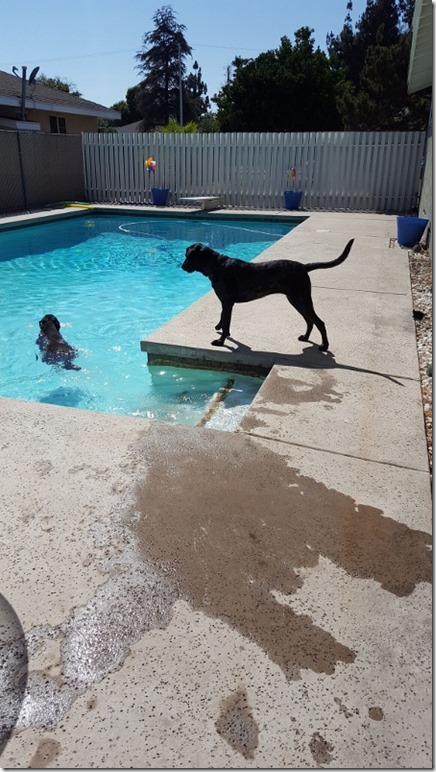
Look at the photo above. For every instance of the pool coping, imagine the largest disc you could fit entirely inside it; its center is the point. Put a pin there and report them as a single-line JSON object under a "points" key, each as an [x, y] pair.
{"points": [[39, 217]]}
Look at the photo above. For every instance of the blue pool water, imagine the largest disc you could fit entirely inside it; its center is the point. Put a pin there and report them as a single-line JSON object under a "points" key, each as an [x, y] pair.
{"points": [[111, 281]]}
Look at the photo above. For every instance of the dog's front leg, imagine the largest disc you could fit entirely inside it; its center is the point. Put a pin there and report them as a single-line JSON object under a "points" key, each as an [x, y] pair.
{"points": [[224, 323]]}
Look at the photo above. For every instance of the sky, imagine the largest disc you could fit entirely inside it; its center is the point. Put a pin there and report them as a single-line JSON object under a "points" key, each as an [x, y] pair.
{"points": [[92, 43]]}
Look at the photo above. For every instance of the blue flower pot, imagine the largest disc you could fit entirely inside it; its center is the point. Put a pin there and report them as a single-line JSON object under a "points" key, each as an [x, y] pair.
{"points": [[160, 196], [292, 198], [410, 230]]}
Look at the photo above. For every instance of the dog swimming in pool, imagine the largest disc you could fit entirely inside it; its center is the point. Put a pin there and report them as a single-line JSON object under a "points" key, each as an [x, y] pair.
{"points": [[53, 347], [236, 281]]}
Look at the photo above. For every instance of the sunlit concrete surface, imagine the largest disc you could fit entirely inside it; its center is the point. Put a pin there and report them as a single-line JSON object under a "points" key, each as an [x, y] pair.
{"points": [[198, 599]]}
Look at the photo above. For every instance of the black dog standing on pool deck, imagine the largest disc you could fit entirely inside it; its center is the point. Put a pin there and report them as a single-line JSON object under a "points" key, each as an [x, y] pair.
{"points": [[54, 348], [236, 281]]}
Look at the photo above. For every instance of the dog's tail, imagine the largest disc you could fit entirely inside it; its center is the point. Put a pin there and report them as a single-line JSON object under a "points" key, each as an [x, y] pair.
{"points": [[332, 263]]}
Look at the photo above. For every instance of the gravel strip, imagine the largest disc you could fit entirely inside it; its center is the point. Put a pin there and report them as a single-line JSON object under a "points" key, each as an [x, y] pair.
{"points": [[421, 282]]}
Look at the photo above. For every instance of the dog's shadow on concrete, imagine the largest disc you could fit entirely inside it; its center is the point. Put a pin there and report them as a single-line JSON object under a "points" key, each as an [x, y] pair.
{"points": [[310, 357]]}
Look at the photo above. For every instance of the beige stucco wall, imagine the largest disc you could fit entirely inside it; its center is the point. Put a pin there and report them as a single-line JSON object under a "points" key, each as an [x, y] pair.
{"points": [[75, 124]]}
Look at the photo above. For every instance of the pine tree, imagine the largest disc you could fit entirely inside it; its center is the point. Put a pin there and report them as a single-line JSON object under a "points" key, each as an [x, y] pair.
{"points": [[196, 101], [161, 62], [373, 62]]}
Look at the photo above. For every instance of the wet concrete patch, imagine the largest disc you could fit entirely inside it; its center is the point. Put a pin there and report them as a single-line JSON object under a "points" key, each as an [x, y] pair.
{"points": [[342, 410], [46, 753], [98, 636], [279, 394], [321, 750], [95, 639], [320, 387], [236, 724], [376, 713], [344, 710], [233, 522]]}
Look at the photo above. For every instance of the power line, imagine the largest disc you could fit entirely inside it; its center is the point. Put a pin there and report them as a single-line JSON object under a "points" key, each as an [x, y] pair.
{"points": [[123, 51], [67, 58]]}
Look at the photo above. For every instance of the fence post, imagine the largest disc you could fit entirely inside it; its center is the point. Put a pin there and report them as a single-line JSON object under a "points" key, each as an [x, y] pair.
{"points": [[23, 181]]}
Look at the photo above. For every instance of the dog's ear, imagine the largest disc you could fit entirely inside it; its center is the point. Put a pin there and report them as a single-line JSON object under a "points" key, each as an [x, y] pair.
{"points": [[192, 248]]}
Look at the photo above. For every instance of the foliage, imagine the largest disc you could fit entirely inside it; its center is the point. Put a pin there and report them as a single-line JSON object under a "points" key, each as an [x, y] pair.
{"points": [[161, 62], [208, 124], [196, 101], [373, 62], [360, 84], [173, 127], [378, 25], [128, 107], [382, 102], [105, 127], [60, 84], [289, 89]]}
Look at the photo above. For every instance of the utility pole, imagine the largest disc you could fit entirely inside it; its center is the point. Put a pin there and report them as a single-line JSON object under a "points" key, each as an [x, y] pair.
{"points": [[23, 94], [32, 79], [180, 88]]}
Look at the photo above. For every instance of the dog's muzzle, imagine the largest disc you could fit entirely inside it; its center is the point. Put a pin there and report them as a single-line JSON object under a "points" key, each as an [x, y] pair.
{"points": [[187, 267]]}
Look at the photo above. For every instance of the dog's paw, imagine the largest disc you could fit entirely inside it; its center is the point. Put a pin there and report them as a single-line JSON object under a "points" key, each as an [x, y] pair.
{"points": [[303, 337], [324, 348], [218, 326], [218, 342]]}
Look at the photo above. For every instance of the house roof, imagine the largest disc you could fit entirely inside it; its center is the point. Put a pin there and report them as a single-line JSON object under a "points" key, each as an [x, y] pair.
{"points": [[40, 97], [130, 127], [420, 74]]}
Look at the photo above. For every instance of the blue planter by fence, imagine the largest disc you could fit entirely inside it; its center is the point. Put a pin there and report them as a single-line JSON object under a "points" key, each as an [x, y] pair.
{"points": [[160, 196], [292, 198], [410, 230]]}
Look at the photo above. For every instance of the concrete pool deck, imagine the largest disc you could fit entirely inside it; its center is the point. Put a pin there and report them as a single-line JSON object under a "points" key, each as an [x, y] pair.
{"points": [[259, 599]]}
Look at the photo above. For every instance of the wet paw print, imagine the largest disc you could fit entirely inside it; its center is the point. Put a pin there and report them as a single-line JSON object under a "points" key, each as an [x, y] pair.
{"points": [[376, 713], [320, 749]]}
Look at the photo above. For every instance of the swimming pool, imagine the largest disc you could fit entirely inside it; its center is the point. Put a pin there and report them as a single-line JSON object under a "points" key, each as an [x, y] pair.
{"points": [[112, 280]]}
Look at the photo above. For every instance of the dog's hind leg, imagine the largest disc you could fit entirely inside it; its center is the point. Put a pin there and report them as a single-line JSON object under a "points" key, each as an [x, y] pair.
{"points": [[219, 326], [224, 323], [307, 311]]}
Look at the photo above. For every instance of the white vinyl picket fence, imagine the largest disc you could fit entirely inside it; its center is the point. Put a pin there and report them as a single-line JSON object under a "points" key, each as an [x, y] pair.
{"points": [[337, 171]]}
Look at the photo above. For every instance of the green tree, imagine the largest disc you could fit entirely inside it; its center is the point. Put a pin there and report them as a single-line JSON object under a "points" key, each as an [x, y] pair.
{"points": [[60, 84], [208, 123], [292, 88], [382, 101], [378, 25], [196, 101], [128, 107], [161, 62], [372, 63]]}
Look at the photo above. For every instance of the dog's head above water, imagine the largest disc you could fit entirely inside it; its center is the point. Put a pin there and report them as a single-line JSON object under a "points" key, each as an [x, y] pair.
{"points": [[49, 320]]}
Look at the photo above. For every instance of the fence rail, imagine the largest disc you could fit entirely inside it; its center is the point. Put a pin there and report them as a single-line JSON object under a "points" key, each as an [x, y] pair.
{"points": [[337, 171]]}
